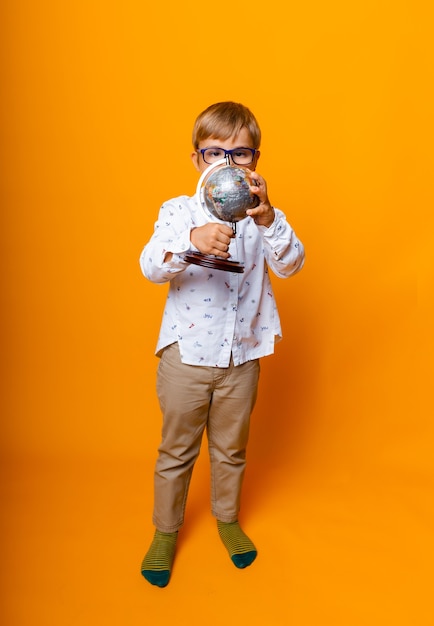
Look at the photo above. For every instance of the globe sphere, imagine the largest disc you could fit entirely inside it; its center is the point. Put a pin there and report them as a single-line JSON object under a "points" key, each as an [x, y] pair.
{"points": [[227, 193]]}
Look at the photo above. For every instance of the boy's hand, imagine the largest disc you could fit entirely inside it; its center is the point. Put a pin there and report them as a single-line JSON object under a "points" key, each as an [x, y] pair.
{"points": [[263, 214], [212, 238]]}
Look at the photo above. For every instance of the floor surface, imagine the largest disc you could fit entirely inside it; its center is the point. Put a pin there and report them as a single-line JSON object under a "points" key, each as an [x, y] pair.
{"points": [[331, 550]]}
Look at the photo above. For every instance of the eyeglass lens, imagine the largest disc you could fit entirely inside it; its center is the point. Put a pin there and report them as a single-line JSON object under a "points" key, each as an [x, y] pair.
{"points": [[240, 156]]}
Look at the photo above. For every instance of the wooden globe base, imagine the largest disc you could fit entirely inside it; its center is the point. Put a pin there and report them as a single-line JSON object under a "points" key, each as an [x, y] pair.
{"points": [[214, 262]]}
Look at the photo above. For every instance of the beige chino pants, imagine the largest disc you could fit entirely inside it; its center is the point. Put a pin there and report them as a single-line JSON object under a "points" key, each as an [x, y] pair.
{"points": [[193, 398]]}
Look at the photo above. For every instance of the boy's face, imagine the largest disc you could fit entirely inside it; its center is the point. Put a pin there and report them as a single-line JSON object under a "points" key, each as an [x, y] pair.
{"points": [[242, 140]]}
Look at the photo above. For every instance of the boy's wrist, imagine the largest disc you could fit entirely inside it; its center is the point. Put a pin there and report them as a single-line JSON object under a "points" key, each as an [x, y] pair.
{"points": [[272, 217], [268, 219], [192, 246]]}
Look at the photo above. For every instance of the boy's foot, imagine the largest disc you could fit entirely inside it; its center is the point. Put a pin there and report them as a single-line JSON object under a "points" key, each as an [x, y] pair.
{"points": [[240, 548], [157, 564]]}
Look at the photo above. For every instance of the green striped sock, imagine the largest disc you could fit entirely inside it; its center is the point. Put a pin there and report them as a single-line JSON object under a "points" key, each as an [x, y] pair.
{"points": [[240, 548], [158, 561]]}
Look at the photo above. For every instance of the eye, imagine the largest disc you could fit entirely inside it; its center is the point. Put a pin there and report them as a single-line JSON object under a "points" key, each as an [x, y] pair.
{"points": [[215, 152]]}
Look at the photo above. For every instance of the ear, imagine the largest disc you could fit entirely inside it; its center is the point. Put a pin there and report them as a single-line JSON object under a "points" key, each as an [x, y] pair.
{"points": [[195, 159]]}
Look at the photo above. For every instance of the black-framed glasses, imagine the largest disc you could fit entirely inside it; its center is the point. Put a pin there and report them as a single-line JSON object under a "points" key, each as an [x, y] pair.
{"points": [[240, 156]]}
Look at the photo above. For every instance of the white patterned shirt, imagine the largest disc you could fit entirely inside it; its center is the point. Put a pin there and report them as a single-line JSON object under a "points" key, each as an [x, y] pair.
{"points": [[215, 314]]}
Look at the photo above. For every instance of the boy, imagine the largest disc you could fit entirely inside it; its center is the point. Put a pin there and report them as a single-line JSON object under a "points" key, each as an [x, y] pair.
{"points": [[216, 326]]}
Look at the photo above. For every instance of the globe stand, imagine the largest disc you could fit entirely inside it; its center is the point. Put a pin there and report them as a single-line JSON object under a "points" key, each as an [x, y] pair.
{"points": [[214, 262], [224, 205]]}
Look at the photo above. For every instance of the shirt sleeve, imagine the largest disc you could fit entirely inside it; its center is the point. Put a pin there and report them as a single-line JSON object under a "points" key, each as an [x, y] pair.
{"points": [[171, 235], [284, 252]]}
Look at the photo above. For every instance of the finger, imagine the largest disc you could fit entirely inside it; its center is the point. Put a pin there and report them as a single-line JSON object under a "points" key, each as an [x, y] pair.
{"points": [[221, 243], [224, 229], [222, 251], [224, 238], [256, 179]]}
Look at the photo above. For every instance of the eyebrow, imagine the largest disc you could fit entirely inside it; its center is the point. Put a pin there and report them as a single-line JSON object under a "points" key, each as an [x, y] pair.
{"points": [[221, 148]]}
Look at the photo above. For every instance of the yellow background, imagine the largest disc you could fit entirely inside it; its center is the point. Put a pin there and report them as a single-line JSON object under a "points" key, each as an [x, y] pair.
{"points": [[98, 101]]}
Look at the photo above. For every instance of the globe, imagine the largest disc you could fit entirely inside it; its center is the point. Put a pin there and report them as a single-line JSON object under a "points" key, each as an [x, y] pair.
{"points": [[227, 194], [224, 194]]}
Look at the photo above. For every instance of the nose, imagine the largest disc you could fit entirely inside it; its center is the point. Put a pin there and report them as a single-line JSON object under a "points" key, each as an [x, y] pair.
{"points": [[229, 159]]}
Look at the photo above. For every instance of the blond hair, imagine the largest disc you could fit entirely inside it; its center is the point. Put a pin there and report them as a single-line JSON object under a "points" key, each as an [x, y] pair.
{"points": [[223, 120]]}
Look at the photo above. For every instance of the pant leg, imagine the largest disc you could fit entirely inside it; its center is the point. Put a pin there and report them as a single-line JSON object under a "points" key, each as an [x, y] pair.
{"points": [[234, 397], [184, 392]]}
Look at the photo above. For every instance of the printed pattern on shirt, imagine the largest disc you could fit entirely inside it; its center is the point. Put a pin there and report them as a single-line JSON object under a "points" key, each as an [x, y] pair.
{"points": [[215, 314]]}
